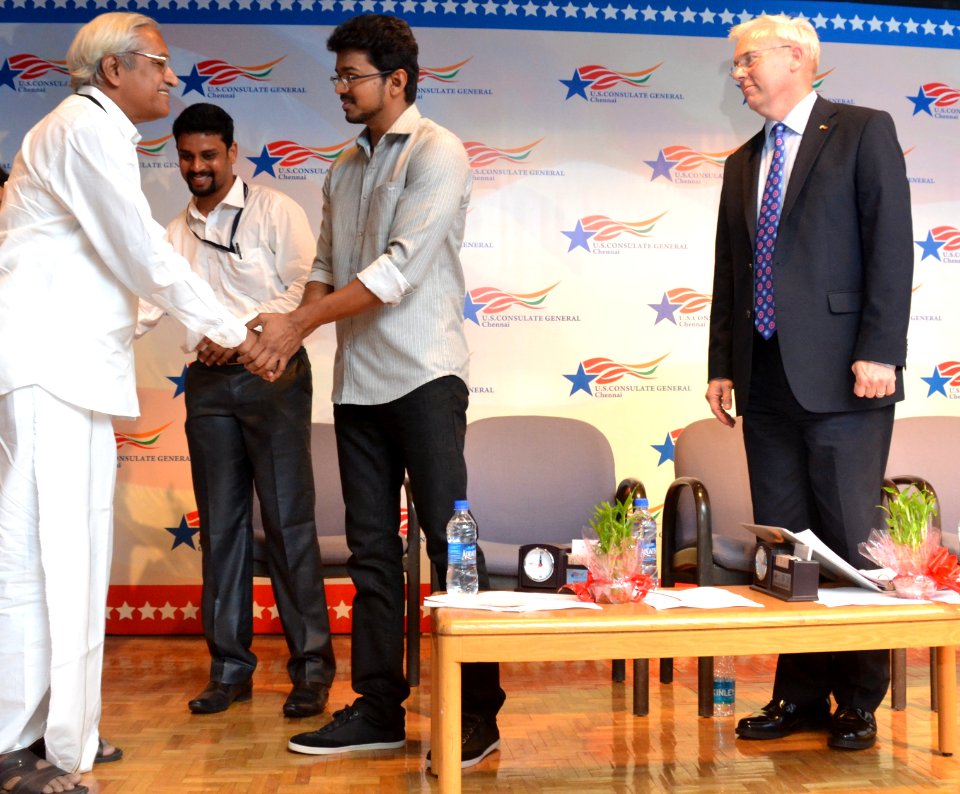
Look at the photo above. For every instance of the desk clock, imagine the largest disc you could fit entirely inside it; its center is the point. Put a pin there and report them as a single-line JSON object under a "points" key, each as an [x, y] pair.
{"points": [[778, 572]]}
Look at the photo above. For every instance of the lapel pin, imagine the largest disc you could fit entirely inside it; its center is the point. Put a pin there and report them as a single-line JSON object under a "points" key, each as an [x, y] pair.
{"points": [[824, 128]]}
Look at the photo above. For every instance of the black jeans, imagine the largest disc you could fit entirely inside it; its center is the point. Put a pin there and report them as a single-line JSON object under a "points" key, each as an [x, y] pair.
{"points": [[421, 433], [242, 431]]}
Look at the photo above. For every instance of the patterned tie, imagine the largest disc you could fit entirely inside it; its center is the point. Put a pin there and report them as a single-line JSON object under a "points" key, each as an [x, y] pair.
{"points": [[764, 318]]}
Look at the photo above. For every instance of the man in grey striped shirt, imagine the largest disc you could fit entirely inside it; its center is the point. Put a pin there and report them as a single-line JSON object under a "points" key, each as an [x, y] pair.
{"points": [[388, 273]]}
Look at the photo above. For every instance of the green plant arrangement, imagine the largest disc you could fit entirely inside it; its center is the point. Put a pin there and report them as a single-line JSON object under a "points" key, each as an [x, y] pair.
{"points": [[910, 546], [909, 513], [613, 524]]}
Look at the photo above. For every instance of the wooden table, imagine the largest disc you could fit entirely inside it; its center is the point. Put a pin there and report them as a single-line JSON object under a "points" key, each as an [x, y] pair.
{"points": [[638, 631]]}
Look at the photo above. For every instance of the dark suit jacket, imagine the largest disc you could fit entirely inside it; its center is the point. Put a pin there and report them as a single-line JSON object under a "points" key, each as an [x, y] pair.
{"points": [[843, 265]]}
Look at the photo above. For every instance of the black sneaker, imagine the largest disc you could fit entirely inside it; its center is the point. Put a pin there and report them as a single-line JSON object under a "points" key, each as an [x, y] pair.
{"points": [[478, 738], [349, 731]]}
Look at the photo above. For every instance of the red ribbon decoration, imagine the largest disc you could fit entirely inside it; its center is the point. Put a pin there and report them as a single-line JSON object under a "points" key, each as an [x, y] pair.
{"points": [[641, 582], [943, 569]]}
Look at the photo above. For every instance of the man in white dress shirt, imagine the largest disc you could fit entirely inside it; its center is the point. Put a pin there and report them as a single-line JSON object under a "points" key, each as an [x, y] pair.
{"points": [[77, 246], [254, 246]]}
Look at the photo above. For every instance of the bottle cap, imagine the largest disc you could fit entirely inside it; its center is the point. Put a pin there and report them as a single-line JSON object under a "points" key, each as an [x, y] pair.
{"points": [[461, 504], [641, 501]]}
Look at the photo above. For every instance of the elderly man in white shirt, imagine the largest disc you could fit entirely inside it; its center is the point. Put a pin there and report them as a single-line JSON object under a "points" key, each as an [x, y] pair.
{"points": [[77, 247]]}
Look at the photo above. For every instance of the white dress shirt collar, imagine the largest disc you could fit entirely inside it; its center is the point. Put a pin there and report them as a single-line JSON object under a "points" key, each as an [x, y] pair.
{"points": [[113, 111], [796, 120], [233, 199]]}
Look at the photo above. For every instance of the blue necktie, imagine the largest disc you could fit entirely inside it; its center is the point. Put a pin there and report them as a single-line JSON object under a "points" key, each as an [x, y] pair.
{"points": [[764, 316]]}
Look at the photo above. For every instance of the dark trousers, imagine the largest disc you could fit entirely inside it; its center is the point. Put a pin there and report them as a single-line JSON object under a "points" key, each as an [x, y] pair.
{"points": [[422, 433], [243, 431], [823, 472]]}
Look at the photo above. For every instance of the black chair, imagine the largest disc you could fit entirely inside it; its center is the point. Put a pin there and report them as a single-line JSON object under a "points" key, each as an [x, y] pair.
{"points": [[331, 535]]}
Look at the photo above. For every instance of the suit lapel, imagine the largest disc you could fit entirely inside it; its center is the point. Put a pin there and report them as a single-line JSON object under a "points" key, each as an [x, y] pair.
{"points": [[814, 137], [751, 179]]}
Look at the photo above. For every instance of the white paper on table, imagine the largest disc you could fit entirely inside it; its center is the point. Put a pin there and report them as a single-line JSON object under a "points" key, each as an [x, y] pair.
{"points": [[946, 597], [508, 601], [698, 598], [858, 596]]}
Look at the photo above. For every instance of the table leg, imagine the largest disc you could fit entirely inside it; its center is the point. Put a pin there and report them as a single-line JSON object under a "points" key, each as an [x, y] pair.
{"points": [[947, 698], [446, 712]]}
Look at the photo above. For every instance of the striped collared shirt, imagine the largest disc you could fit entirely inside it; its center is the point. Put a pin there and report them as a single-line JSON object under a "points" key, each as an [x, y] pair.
{"points": [[393, 217]]}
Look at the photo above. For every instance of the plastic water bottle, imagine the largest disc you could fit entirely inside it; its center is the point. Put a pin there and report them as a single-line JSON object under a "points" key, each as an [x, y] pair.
{"points": [[645, 530], [462, 550], [724, 686]]}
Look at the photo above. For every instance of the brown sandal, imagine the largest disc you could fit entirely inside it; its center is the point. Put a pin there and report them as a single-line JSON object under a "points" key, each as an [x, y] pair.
{"points": [[31, 774]]}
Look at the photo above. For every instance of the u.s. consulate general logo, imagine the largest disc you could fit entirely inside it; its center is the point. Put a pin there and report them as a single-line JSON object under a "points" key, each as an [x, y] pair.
{"points": [[287, 159], [605, 378], [214, 78], [27, 73], [492, 307], [601, 234], [597, 83]]}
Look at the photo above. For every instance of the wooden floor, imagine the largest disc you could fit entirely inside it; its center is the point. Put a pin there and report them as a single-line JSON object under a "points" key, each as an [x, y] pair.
{"points": [[565, 728]]}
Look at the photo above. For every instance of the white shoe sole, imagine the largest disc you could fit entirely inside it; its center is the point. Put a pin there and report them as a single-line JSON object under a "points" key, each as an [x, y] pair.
{"points": [[354, 748]]}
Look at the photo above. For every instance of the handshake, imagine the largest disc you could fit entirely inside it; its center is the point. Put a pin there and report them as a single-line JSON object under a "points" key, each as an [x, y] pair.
{"points": [[272, 339]]}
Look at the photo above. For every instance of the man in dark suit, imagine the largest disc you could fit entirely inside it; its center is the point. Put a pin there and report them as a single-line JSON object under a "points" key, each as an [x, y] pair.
{"points": [[809, 326]]}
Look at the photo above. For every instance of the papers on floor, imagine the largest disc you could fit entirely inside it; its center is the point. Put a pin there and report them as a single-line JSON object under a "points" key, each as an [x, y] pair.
{"points": [[509, 601], [698, 598]]}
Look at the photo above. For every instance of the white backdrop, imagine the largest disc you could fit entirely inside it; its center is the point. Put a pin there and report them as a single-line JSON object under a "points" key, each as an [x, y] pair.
{"points": [[597, 135]]}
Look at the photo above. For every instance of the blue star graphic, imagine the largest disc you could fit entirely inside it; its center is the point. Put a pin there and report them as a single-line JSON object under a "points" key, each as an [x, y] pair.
{"points": [[921, 102], [664, 309], [578, 238], [930, 247], [576, 85], [193, 81], [8, 74], [180, 381], [183, 534], [264, 163], [936, 382], [665, 449], [580, 380], [470, 309], [661, 167]]}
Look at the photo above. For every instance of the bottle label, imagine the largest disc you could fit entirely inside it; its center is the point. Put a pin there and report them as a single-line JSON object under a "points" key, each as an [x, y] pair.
{"points": [[724, 691], [461, 553]]}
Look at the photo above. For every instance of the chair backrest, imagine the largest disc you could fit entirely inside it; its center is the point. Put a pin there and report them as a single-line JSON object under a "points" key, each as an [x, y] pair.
{"points": [[714, 454], [927, 447], [534, 479], [329, 510]]}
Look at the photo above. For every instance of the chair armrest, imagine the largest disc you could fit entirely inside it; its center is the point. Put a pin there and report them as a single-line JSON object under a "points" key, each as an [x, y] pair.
{"points": [[704, 547], [630, 488]]}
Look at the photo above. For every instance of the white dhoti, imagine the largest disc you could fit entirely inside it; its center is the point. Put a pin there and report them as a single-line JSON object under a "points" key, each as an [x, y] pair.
{"points": [[58, 468]]}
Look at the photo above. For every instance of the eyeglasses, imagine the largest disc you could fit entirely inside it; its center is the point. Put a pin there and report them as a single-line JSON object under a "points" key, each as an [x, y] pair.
{"points": [[163, 61], [347, 80], [748, 59]]}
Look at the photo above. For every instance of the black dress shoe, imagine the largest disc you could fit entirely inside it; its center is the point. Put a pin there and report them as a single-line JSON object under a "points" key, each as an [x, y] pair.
{"points": [[306, 700], [218, 697], [852, 729], [778, 719]]}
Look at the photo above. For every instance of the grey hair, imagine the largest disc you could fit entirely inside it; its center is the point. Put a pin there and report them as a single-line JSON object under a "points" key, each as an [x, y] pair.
{"points": [[114, 33], [794, 30]]}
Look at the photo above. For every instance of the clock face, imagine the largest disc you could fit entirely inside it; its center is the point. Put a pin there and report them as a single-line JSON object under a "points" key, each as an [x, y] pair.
{"points": [[760, 563], [538, 564]]}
